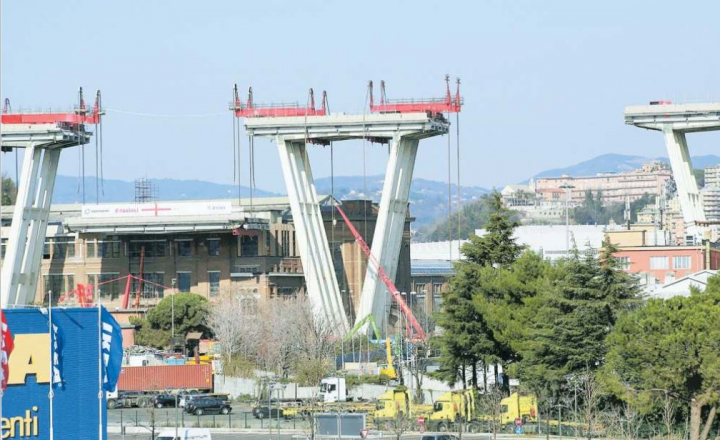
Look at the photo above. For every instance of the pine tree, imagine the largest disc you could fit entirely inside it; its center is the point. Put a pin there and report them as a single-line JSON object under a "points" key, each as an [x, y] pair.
{"points": [[466, 340], [497, 247]]}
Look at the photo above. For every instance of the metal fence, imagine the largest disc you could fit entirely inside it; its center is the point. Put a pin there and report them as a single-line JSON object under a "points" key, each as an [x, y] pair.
{"points": [[171, 417]]}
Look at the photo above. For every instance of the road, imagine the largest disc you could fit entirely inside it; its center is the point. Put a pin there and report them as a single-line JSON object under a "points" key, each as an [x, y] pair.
{"points": [[267, 436]]}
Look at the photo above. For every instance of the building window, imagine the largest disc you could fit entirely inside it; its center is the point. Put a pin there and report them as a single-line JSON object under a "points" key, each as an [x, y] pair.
{"points": [[150, 249], [213, 245], [58, 285], [64, 247], [624, 262], [184, 248], [658, 262], [106, 285], [248, 246], [184, 281], [111, 249], [420, 289], [285, 243], [682, 262], [437, 301], [437, 288], [214, 282], [152, 285], [90, 252]]}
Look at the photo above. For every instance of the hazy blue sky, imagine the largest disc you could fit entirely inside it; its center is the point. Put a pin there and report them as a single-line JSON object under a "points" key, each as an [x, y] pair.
{"points": [[545, 82]]}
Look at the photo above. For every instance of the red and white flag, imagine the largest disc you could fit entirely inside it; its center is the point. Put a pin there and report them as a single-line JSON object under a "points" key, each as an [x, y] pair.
{"points": [[7, 348]]}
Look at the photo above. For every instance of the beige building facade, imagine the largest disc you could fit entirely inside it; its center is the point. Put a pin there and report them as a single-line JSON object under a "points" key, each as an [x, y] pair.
{"points": [[651, 178], [205, 247]]}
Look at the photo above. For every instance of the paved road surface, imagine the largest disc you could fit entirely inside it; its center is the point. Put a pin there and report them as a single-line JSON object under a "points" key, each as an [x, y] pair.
{"points": [[258, 436]]}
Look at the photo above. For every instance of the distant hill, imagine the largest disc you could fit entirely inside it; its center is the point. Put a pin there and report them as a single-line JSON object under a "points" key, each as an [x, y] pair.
{"points": [[67, 190], [428, 198], [614, 163]]}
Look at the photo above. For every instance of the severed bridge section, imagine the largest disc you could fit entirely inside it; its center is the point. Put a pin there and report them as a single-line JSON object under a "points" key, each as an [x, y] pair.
{"points": [[675, 121], [403, 132]]}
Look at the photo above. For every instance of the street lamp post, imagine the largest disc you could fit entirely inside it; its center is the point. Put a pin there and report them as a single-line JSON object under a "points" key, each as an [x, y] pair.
{"points": [[567, 187]]}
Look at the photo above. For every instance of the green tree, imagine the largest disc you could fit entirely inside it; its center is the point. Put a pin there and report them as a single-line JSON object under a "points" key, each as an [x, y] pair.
{"points": [[190, 313], [467, 340], [593, 211], [9, 191], [699, 177], [497, 247], [671, 346], [472, 215], [567, 322]]}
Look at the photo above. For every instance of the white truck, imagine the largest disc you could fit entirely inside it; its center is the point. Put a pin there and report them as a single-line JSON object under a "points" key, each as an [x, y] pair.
{"points": [[184, 434], [332, 389]]}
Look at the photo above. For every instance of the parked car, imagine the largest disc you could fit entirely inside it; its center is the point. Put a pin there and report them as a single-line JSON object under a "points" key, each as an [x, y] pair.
{"points": [[164, 401], [184, 399], [439, 437], [264, 412], [208, 405]]}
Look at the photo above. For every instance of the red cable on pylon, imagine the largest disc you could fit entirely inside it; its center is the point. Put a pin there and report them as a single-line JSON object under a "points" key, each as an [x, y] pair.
{"points": [[411, 320]]}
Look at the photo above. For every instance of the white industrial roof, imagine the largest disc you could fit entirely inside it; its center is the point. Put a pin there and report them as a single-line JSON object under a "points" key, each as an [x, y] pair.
{"points": [[547, 240], [681, 286]]}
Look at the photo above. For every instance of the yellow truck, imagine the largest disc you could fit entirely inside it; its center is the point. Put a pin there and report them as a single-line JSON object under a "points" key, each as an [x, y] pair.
{"points": [[395, 402], [462, 407]]}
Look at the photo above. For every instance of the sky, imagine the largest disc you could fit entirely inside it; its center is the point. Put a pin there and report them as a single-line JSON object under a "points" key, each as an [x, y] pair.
{"points": [[545, 83]]}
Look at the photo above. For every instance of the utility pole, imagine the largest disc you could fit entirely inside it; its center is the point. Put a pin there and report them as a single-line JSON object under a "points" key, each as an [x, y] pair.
{"points": [[172, 308], [567, 187]]}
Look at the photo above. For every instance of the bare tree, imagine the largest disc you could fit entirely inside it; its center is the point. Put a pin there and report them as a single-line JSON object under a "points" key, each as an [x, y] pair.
{"points": [[226, 322], [399, 424], [490, 404], [421, 351], [590, 390], [631, 419], [282, 335], [668, 407]]}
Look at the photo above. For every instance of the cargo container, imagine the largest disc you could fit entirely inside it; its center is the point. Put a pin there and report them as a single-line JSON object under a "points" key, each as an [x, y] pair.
{"points": [[166, 377]]}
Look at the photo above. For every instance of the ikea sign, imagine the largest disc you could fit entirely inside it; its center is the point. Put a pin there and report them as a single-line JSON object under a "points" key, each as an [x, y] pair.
{"points": [[77, 403]]}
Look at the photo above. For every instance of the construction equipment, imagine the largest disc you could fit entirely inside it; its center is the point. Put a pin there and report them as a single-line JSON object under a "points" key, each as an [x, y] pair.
{"points": [[358, 325], [432, 106], [389, 369], [83, 293], [252, 110], [412, 323]]}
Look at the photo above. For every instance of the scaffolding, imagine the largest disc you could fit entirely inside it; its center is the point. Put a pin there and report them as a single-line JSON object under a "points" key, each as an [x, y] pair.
{"points": [[145, 190]]}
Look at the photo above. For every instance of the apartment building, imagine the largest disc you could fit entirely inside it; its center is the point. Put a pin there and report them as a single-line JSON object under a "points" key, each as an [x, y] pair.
{"points": [[651, 178]]}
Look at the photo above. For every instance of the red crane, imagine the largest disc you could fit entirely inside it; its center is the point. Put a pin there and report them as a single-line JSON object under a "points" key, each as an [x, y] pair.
{"points": [[250, 109], [78, 116], [412, 321], [448, 104]]}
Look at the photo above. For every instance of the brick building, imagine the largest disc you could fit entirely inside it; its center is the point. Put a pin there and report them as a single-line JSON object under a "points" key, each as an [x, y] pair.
{"points": [[204, 247]]}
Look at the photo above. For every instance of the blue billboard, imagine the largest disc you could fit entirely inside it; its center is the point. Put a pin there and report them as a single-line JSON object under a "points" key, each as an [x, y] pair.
{"points": [[70, 359]]}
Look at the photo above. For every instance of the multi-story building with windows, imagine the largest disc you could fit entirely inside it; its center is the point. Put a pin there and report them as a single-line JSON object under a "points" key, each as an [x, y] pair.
{"points": [[651, 178], [205, 247]]}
